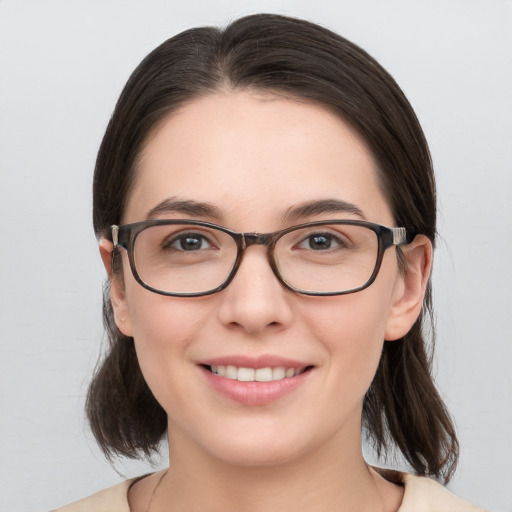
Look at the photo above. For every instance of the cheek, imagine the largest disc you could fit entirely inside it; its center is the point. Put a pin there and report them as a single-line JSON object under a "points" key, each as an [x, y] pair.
{"points": [[159, 322], [164, 329], [352, 329], [162, 324], [351, 320]]}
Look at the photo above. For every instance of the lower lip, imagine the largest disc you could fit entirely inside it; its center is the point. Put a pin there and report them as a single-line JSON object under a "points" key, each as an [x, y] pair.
{"points": [[254, 393]]}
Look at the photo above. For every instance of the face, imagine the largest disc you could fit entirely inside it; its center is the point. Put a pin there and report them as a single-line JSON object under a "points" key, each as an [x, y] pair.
{"points": [[254, 157]]}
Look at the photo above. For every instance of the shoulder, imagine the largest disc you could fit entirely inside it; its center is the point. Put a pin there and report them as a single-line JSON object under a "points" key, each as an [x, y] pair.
{"points": [[425, 495], [113, 499]]}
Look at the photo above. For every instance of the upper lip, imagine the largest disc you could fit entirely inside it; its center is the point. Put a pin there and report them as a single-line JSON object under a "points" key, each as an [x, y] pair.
{"points": [[263, 361]]}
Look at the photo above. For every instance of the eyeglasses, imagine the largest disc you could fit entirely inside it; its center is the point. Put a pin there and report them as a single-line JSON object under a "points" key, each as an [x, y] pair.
{"points": [[191, 258]]}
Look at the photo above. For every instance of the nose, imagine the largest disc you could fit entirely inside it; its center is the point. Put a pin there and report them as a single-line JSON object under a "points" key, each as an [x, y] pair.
{"points": [[255, 300]]}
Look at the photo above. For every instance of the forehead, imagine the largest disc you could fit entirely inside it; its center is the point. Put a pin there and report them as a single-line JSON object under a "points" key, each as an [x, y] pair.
{"points": [[248, 151]]}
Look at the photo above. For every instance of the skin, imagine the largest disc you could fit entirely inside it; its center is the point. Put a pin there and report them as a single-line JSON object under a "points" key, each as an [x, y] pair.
{"points": [[254, 155]]}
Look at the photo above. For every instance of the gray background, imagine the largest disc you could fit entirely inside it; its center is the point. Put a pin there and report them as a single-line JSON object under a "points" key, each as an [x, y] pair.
{"points": [[62, 66]]}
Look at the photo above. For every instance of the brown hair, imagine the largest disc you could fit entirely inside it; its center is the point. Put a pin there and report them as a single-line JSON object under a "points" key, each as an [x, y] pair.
{"points": [[300, 59]]}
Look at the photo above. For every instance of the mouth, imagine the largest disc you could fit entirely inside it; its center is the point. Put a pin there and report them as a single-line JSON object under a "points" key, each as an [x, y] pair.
{"points": [[245, 374], [255, 380]]}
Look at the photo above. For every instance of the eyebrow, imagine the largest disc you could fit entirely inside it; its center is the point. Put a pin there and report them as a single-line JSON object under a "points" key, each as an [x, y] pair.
{"points": [[322, 206], [188, 207], [295, 213]]}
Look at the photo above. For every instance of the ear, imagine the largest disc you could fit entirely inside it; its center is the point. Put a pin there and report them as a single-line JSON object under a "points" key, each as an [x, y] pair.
{"points": [[410, 288], [117, 293]]}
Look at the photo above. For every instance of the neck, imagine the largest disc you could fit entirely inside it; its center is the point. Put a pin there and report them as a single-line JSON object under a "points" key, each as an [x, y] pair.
{"points": [[321, 481]]}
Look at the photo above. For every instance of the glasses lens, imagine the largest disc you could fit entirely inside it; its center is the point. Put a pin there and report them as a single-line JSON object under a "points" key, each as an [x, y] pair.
{"points": [[181, 258], [327, 258]]}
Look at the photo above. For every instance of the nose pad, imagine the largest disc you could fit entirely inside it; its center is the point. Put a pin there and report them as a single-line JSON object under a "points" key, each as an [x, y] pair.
{"points": [[255, 299]]}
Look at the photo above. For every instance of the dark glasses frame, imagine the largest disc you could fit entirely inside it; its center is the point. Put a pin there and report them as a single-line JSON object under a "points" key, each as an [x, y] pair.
{"points": [[125, 236]]}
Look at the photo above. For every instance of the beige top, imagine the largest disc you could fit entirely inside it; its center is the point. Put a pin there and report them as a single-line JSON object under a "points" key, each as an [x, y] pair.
{"points": [[421, 495]]}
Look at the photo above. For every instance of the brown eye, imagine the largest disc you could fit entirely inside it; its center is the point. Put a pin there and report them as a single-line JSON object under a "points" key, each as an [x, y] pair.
{"points": [[320, 242], [188, 242]]}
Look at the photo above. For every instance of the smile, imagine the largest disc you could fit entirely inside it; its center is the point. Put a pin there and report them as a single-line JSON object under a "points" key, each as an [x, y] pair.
{"points": [[244, 374], [255, 380]]}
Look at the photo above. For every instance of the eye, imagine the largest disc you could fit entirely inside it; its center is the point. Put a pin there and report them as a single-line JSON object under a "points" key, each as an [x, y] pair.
{"points": [[320, 242], [188, 242]]}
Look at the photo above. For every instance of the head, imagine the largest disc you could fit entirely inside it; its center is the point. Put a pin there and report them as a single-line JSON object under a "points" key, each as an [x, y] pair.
{"points": [[296, 63]]}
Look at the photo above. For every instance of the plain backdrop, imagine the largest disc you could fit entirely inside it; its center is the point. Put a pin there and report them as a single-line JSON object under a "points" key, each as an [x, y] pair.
{"points": [[62, 66]]}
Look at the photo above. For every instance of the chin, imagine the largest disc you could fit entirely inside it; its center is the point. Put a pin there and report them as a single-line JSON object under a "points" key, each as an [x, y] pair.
{"points": [[266, 444], [255, 454]]}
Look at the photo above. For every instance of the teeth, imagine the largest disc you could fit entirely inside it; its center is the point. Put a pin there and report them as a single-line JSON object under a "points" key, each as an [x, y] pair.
{"points": [[258, 375], [231, 372], [263, 375], [278, 373], [245, 374]]}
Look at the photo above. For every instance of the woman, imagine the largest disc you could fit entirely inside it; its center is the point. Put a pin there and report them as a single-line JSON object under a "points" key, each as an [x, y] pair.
{"points": [[265, 205]]}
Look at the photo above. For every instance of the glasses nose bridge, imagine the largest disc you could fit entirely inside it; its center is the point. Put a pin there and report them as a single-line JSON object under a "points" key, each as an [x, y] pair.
{"points": [[265, 239], [249, 239]]}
